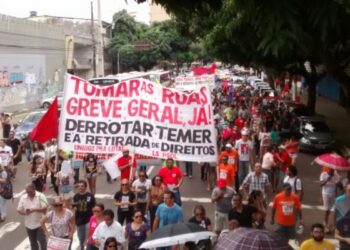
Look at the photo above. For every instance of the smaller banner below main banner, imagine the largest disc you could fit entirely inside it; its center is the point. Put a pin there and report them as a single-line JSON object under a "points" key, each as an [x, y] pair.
{"points": [[191, 83], [153, 120]]}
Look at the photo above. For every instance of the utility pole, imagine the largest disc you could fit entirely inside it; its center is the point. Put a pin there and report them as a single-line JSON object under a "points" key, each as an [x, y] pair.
{"points": [[100, 45], [93, 40]]}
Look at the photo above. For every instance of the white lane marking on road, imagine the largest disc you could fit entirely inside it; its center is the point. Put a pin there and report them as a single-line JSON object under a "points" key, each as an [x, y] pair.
{"points": [[103, 196], [196, 199], [8, 227], [24, 245], [75, 243], [185, 199], [149, 171]]}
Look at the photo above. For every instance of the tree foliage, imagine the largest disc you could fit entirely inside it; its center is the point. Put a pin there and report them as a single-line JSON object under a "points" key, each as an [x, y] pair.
{"points": [[166, 39], [275, 34]]}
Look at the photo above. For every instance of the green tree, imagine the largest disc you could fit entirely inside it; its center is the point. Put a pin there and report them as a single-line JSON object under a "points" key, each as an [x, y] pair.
{"points": [[167, 43], [277, 34]]}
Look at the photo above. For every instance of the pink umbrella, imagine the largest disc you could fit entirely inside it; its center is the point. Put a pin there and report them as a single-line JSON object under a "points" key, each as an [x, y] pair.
{"points": [[334, 161]]}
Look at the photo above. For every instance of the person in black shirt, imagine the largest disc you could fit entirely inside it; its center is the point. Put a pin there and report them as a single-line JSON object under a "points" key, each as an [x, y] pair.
{"points": [[199, 217], [16, 147], [243, 213], [83, 202], [125, 200]]}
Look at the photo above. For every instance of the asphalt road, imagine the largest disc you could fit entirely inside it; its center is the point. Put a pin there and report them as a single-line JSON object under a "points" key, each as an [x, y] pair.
{"points": [[13, 235]]}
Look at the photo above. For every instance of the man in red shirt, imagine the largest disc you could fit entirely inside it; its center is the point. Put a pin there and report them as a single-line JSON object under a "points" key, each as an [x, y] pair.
{"points": [[240, 122], [284, 159], [127, 166], [172, 179]]}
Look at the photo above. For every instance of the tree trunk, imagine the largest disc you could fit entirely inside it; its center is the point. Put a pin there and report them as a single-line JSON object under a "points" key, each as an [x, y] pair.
{"points": [[311, 97]]}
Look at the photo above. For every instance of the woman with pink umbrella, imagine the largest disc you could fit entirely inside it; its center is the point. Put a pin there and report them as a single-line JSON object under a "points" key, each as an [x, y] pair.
{"points": [[329, 180]]}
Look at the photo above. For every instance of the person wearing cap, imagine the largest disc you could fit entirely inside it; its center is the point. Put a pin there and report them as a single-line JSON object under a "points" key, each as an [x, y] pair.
{"points": [[127, 166], [222, 197], [244, 147], [286, 207]]}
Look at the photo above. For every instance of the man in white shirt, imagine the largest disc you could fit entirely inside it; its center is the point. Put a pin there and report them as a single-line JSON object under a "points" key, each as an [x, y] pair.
{"points": [[6, 154], [244, 148], [108, 228], [33, 206], [294, 181], [329, 182], [268, 162], [141, 187]]}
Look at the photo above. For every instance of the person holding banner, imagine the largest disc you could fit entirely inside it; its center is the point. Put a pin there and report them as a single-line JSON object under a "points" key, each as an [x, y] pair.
{"points": [[65, 179], [125, 200], [61, 220], [172, 179], [141, 187], [127, 165]]}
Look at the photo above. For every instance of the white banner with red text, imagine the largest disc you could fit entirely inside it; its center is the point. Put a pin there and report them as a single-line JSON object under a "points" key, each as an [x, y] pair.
{"points": [[190, 83], [153, 120]]}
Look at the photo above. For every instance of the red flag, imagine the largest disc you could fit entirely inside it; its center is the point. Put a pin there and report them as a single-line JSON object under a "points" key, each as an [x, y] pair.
{"points": [[47, 127], [204, 70]]}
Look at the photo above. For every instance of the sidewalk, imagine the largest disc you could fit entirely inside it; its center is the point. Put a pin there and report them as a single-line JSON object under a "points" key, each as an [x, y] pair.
{"points": [[336, 117]]}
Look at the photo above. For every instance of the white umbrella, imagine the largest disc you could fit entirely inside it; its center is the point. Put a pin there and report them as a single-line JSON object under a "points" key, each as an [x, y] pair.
{"points": [[176, 234]]}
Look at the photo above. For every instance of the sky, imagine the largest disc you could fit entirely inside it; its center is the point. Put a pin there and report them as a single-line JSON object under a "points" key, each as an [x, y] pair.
{"points": [[73, 8]]}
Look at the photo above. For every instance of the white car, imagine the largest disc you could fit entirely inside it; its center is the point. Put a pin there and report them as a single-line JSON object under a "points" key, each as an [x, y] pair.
{"points": [[45, 103], [258, 85]]}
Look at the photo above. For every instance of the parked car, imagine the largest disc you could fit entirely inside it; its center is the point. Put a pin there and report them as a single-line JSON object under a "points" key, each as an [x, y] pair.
{"points": [[298, 109], [45, 103], [315, 135], [259, 85], [28, 123]]}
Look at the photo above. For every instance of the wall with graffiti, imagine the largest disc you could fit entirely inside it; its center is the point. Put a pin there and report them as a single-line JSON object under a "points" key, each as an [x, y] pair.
{"points": [[24, 80]]}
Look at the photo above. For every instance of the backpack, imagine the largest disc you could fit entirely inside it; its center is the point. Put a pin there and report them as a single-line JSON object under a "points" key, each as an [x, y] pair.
{"points": [[6, 190], [295, 188]]}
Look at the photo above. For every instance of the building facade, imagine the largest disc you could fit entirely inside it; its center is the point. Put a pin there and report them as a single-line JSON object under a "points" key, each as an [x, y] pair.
{"points": [[83, 44], [32, 62], [157, 13]]}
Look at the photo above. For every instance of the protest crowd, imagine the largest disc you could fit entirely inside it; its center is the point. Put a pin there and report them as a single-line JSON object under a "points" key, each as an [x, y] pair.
{"points": [[257, 151]]}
